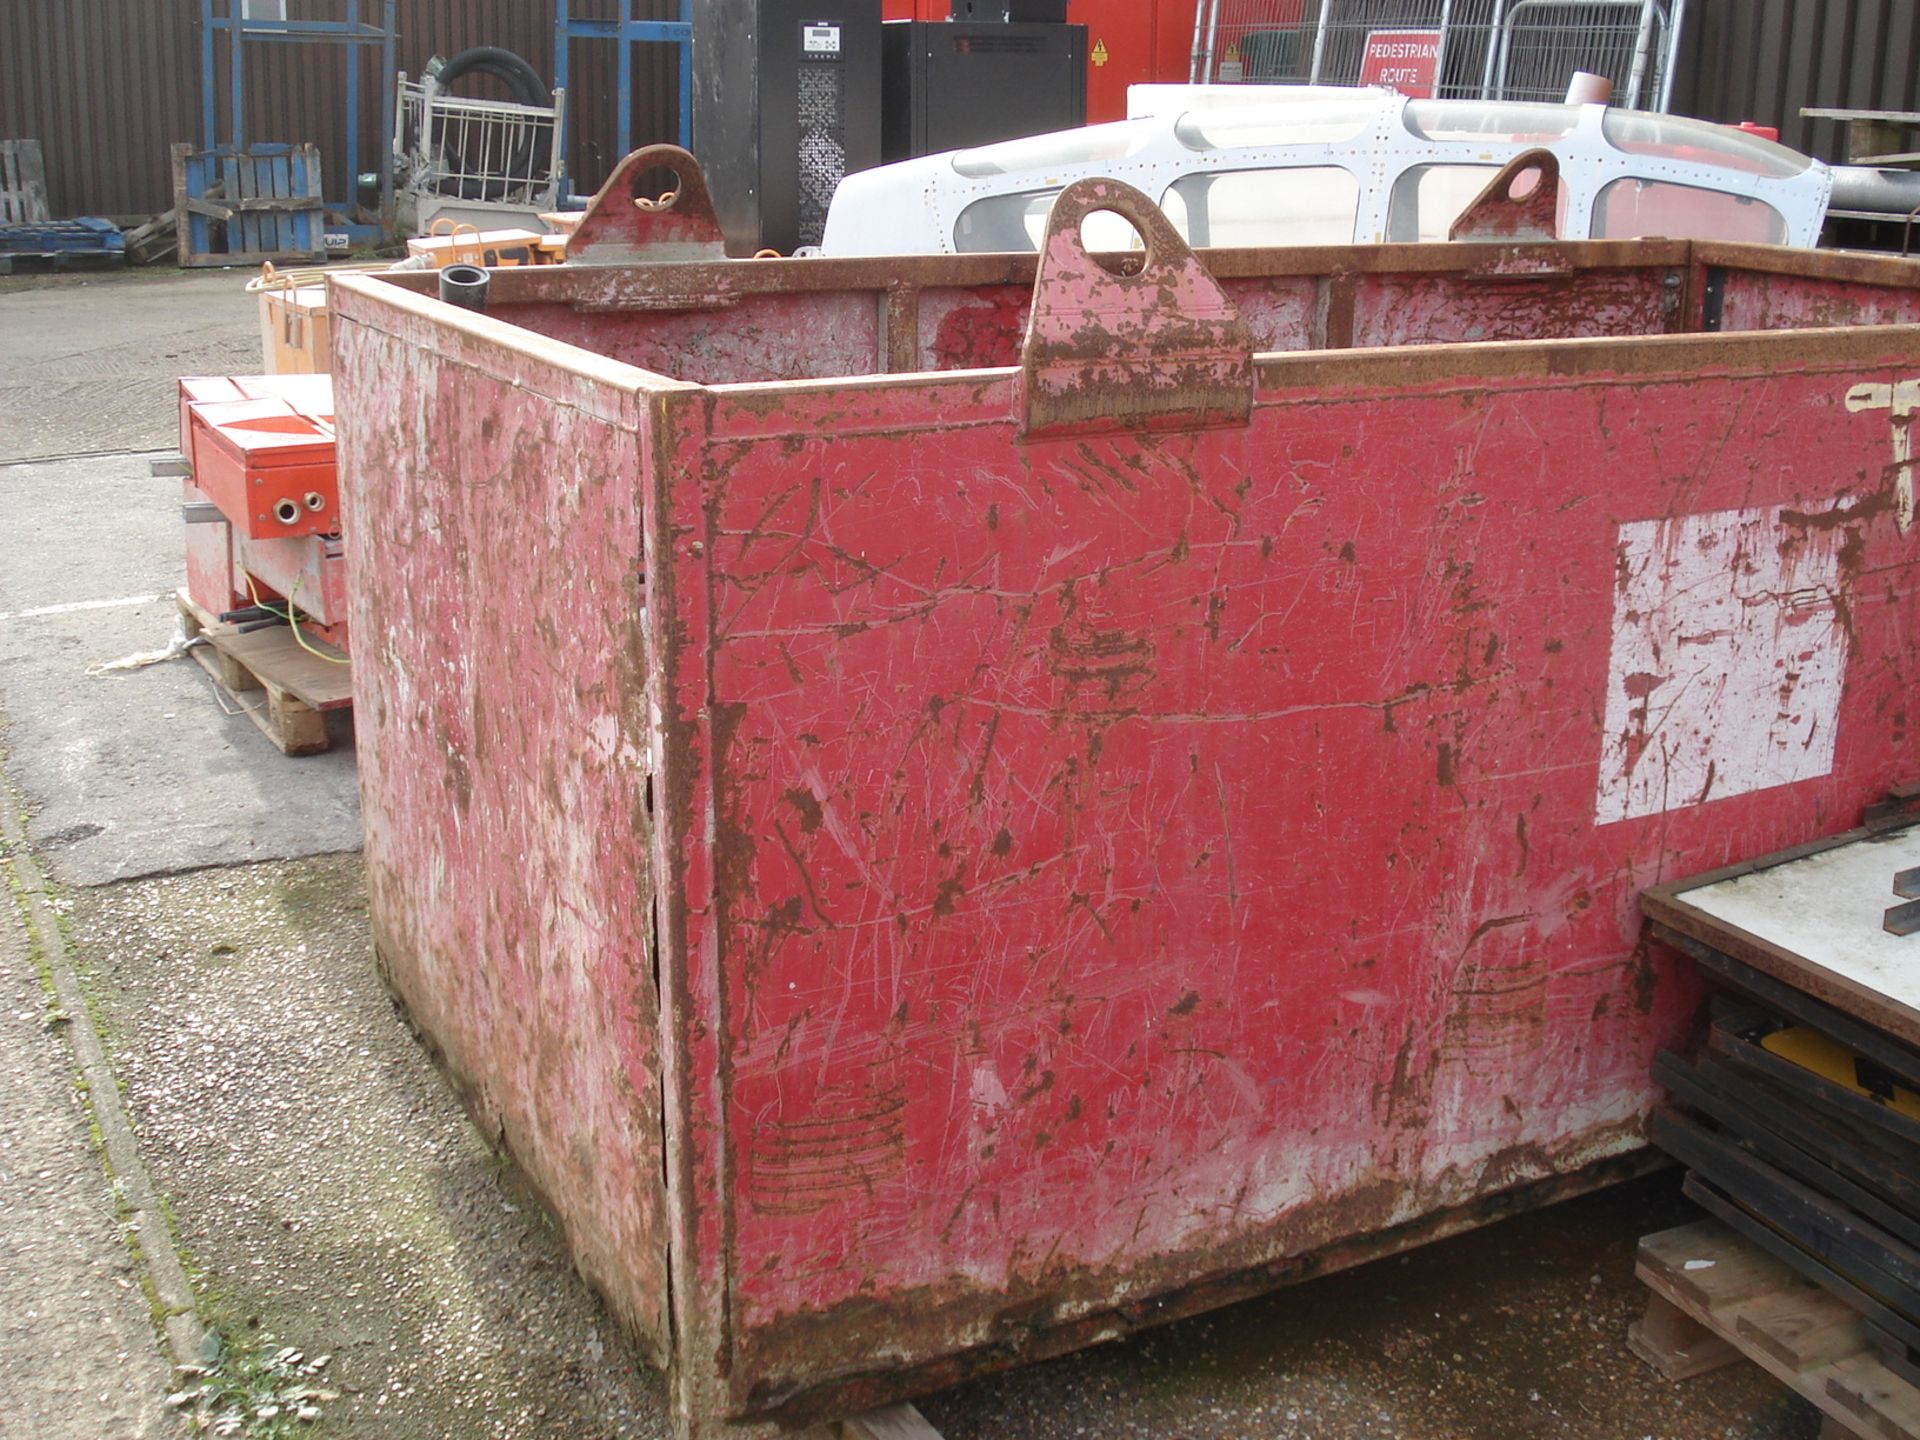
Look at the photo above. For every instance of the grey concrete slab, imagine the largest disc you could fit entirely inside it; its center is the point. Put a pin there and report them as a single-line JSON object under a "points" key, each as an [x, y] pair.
{"points": [[148, 771]]}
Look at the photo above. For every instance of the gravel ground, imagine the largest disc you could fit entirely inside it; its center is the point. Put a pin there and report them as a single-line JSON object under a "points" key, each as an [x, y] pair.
{"points": [[325, 1180], [69, 1292], [330, 1185], [1508, 1333]]}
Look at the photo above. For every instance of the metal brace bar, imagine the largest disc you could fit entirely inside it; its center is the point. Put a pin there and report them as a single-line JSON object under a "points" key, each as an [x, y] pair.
{"points": [[625, 31]]}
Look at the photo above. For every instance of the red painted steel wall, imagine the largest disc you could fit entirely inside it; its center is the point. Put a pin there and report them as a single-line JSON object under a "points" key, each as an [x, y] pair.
{"points": [[554, 1034], [1092, 858]]}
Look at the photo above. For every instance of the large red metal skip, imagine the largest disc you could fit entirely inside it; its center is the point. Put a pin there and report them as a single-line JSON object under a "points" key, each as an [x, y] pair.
{"points": [[929, 869]]}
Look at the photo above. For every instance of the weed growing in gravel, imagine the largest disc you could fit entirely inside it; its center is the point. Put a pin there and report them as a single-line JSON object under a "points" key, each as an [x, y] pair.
{"points": [[251, 1389]]}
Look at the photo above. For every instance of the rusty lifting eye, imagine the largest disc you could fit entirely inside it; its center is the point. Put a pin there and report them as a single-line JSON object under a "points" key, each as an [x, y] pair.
{"points": [[286, 512]]}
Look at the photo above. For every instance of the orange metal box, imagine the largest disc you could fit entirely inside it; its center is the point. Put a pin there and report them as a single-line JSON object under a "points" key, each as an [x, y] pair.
{"points": [[265, 456]]}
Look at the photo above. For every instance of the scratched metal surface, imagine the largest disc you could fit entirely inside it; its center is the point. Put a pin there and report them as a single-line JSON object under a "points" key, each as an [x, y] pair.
{"points": [[1758, 301], [1440, 310], [493, 524], [1155, 845], [1088, 868], [752, 338]]}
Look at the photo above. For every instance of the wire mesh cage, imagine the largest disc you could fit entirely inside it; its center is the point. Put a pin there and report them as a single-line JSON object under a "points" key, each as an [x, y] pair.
{"points": [[1480, 49], [489, 150]]}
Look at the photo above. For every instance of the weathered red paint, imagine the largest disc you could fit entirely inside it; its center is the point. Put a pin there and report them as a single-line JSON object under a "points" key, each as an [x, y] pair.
{"points": [[918, 890], [1522, 203], [621, 227]]}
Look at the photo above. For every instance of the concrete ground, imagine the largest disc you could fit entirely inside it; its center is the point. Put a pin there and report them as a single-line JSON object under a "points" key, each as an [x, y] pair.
{"points": [[352, 1240], [90, 358]]}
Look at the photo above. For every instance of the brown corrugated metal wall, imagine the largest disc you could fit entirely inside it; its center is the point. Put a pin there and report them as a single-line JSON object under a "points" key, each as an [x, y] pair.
{"points": [[107, 85], [1766, 60], [104, 86]]}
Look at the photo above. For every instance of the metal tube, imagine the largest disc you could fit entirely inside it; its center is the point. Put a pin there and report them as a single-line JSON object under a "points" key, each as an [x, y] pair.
{"points": [[389, 108], [1884, 192], [686, 76], [1440, 58], [623, 81], [1642, 43], [1494, 19], [350, 206], [562, 36], [1319, 43], [1676, 18], [237, 71], [556, 162], [1506, 56], [209, 97], [465, 286], [1207, 67]]}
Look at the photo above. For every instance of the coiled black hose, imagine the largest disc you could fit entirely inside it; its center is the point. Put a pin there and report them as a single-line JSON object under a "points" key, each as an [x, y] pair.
{"points": [[526, 87]]}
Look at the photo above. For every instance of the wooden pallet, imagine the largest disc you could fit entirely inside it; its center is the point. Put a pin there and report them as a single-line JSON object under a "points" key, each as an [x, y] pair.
{"points": [[1717, 1298], [246, 207], [41, 262], [283, 689], [23, 182]]}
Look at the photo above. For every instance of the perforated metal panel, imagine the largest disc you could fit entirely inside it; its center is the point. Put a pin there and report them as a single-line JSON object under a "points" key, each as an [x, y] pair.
{"points": [[786, 103], [822, 150]]}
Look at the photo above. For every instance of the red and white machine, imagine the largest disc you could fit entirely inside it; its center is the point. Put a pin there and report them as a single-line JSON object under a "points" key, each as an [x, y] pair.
{"points": [[261, 500]]}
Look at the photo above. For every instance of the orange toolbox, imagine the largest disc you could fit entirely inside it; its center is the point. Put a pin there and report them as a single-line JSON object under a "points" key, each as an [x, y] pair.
{"points": [[261, 449]]}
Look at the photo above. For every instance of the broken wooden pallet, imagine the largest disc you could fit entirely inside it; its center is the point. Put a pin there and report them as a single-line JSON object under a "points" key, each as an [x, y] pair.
{"points": [[45, 262], [23, 182], [296, 687], [1717, 1298]]}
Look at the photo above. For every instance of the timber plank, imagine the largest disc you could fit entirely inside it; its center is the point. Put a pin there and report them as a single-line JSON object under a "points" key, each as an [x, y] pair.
{"points": [[1759, 1308], [295, 687]]}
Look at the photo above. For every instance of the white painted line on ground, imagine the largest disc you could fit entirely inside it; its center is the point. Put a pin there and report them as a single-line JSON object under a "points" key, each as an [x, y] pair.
{"points": [[73, 605], [22, 461]]}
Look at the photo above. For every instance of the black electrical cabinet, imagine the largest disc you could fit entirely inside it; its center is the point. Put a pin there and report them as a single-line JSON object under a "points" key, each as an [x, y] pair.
{"points": [[1052, 12], [786, 102], [954, 84]]}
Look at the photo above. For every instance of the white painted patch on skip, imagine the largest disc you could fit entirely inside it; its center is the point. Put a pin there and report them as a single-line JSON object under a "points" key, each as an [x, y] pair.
{"points": [[1900, 400], [1728, 660]]}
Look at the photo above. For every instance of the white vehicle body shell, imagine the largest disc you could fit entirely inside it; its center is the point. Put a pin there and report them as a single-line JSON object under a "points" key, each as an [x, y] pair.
{"points": [[1386, 145]]}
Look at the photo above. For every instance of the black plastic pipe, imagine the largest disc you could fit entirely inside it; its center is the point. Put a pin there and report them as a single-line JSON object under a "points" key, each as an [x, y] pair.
{"points": [[465, 286]]}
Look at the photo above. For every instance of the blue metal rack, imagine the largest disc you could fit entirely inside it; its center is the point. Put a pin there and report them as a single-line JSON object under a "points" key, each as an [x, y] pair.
{"points": [[627, 31], [351, 31]]}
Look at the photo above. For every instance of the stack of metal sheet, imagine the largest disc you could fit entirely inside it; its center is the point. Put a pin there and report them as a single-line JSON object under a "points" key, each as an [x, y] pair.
{"points": [[1798, 1112]]}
